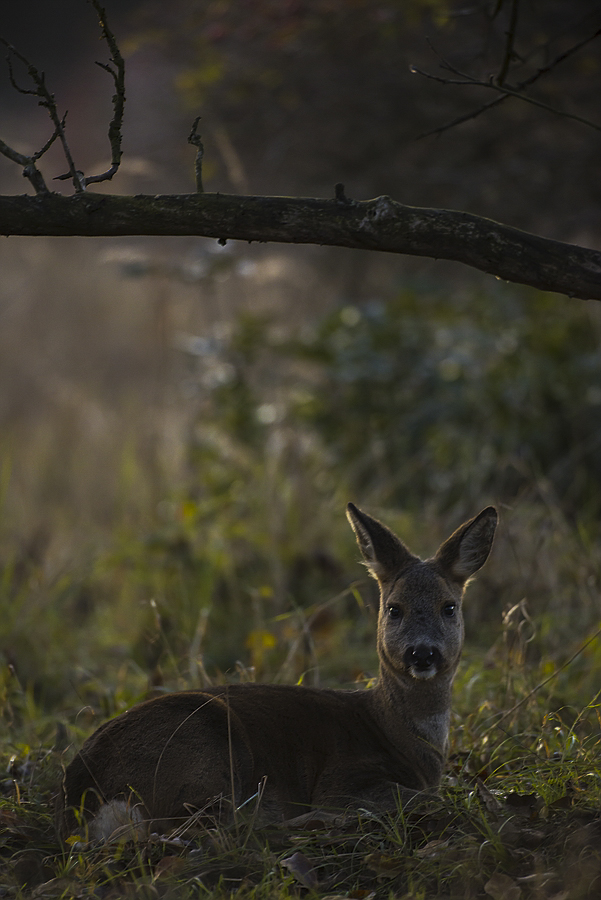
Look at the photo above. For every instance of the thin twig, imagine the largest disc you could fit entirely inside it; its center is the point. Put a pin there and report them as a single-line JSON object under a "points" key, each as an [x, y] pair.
{"points": [[509, 53], [464, 118], [507, 91], [11, 74], [14, 155], [50, 141], [527, 82], [195, 139], [47, 101], [30, 169], [118, 76], [560, 58]]}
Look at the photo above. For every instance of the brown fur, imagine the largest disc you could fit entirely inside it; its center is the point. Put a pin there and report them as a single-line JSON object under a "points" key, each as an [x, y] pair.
{"points": [[299, 748]]}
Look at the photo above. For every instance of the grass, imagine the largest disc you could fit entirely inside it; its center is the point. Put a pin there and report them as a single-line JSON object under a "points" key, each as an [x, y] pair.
{"points": [[530, 831], [169, 545], [519, 811]]}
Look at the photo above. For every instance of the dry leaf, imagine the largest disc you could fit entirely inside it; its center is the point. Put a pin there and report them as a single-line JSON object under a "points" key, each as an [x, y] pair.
{"points": [[502, 887], [9, 819], [302, 869], [169, 865], [56, 887], [488, 799], [431, 849], [387, 866]]}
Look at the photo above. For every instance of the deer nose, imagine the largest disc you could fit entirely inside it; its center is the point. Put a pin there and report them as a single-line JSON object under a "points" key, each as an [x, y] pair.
{"points": [[422, 657]]}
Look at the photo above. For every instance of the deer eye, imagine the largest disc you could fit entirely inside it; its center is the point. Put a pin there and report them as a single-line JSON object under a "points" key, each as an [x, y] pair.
{"points": [[394, 612], [448, 610]]}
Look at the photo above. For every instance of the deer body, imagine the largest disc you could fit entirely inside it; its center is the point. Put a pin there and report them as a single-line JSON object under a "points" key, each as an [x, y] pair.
{"points": [[296, 748]]}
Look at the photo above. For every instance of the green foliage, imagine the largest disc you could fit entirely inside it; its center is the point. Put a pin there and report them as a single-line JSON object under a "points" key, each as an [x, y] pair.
{"points": [[429, 400]]}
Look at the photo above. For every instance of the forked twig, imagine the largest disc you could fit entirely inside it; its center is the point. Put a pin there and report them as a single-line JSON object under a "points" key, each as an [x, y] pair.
{"points": [[506, 91], [47, 101], [118, 75], [30, 169]]}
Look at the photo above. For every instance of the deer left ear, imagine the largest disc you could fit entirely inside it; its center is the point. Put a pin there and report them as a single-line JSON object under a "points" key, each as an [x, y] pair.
{"points": [[466, 551], [384, 554]]}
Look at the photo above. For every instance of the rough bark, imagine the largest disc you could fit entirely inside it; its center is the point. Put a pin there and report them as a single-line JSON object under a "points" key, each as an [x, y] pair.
{"points": [[380, 224]]}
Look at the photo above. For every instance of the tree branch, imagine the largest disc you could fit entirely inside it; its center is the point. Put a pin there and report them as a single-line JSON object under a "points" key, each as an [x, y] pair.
{"points": [[380, 224], [515, 91], [509, 92], [195, 139], [118, 76], [505, 90], [510, 38], [30, 170], [47, 101]]}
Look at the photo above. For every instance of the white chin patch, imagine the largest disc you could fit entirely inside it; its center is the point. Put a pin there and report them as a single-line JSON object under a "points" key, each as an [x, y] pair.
{"points": [[423, 674]]}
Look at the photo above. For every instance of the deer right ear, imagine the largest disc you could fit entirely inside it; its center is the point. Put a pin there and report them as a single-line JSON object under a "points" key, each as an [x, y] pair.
{"points": [[467, 549], [384, 554]]}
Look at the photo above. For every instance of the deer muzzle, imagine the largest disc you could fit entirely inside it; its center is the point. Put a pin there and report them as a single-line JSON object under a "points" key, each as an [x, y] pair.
{"points": [[423, 661]]}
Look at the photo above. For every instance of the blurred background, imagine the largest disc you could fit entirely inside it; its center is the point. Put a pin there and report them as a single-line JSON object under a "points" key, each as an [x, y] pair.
{"points": [[181, 424]]}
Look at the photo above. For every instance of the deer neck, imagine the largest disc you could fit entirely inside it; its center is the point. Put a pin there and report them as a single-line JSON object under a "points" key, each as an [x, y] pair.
{"points": [[421, 707]]}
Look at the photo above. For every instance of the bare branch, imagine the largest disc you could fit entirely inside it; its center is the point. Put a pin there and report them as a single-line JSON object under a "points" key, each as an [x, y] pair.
{"points": [[380, 224], [516, 90], [195, 139], [46, 100], [440, 78], [561, 57], [50, 141], [11, 74], [118, 75], [506, 90], [14, 155], [461, 119], [30, 170], [509, 52]]}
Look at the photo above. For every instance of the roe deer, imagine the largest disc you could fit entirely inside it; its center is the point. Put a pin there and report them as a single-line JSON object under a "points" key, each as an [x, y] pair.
{"points": [[305, 748]]}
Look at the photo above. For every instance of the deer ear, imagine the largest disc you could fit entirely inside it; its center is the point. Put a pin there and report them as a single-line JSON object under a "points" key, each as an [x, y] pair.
{"points": [[384, 554], [466, 551]]}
